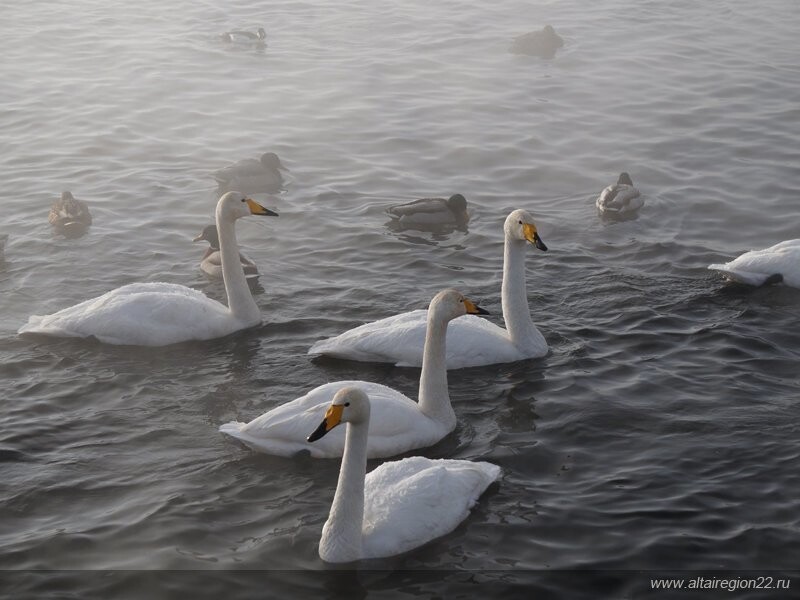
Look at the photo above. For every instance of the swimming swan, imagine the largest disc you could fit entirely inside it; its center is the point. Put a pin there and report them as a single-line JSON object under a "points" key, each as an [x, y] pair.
{"points": [[620, 199], [70, 216], [778, 263], [211, 263], [157, 314], [398, 506], [431, 211], [472, 342], [252, 176], [398, 423], [543, 44]]}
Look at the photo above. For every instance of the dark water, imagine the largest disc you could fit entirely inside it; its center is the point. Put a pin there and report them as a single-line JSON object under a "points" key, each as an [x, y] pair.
{"points": [[661, 433]]}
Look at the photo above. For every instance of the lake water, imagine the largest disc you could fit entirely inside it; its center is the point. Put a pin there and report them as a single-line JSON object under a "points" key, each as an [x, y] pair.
{"points": [[660, 433]]}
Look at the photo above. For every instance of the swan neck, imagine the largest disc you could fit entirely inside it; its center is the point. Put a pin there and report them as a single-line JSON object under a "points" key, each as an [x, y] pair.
{"points": [[342, 532], [434, 400], [240, 300], [516, 313]]}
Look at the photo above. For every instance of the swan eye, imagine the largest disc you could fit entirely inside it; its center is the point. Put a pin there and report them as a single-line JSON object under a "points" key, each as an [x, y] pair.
{"points": [[520, 222], [243, 200], [347, 404]]}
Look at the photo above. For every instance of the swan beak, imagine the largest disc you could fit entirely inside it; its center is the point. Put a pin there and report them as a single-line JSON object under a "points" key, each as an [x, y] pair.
{"points": [[532, 236], [332, 418], [474, 309], [257, 209]]}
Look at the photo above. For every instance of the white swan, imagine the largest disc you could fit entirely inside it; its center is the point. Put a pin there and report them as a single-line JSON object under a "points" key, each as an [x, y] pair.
{"points": [[431, 211], [211, 263], [398, 423], [472, 342], [776, 264], [401, 504], [157, 314], [252, 176], [542, 43], [620, 199]]}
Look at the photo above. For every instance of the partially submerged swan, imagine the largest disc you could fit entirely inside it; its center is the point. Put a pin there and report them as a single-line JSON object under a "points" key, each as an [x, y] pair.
{"points": [[398, 423], [777, 264], [401, 504], [620, 199], [211, 263], [69, 216], [157, 314], [471, 341], [431, 211], [252, 176]]}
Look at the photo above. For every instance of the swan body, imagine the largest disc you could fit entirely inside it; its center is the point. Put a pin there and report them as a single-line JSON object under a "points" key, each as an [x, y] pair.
{"points": [[432, 211], [69, 216], [252, 176], [620, 199], [398, 423], [778, 263], [401, 504], [157, 314], [245, 37], [471, 341], [211, 263], [543, 44]]}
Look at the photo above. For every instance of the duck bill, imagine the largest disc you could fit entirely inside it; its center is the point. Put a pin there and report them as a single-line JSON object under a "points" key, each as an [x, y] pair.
{"points": [[199, 238], [257, 209], [533, 236], [474, 309], [332, 418]]}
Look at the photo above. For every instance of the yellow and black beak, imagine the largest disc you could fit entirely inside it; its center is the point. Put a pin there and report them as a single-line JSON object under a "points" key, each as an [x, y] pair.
{"points": [[529, 230], [257, 209], [474, 309], [333, 417]]}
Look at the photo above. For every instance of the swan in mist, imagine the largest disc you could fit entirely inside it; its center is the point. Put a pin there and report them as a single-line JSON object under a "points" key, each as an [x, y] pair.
{"points": [[157, 314], [401, 504], [240, 36], [543, 44], [251, 175], [777, 264], [472, 342], [398, 423]]}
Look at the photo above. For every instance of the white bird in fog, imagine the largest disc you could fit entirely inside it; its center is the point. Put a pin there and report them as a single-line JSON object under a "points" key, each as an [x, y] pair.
{"points": [[157, 314], [252, 176], [401, 504], [777, 264], [239, 36]]}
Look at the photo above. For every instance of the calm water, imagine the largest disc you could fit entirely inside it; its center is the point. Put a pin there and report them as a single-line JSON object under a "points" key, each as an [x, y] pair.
{"points": [[660, 433]]}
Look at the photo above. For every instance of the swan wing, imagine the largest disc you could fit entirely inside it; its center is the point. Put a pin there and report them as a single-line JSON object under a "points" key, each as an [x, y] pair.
{"points": [[396, 424], [412, 501], [143, 314], [471, 341]]}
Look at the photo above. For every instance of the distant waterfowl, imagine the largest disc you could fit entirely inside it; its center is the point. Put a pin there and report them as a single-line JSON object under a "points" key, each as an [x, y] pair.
{"points": [[401, 504], [239, 36], [211, 263], [432, 211], [69, 216], [252, 176], [471, 341], [398, 423], [777, 264], [157, 314], [542, 43], [620, 199]]}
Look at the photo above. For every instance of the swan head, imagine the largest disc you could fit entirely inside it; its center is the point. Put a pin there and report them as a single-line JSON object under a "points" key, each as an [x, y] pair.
{"points": [[210, 235], [625, 179], [349, 405], [520, 226], [450, 304], [270, 160], [234, 205]]}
